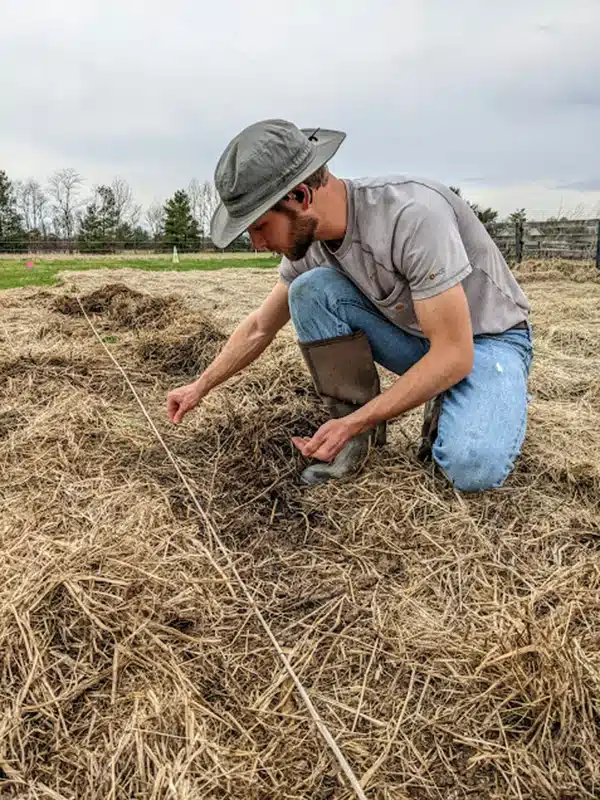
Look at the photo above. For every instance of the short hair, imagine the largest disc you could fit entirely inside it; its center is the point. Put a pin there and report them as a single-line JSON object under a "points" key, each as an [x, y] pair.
{"points": [[318, 178], [315, 180]]}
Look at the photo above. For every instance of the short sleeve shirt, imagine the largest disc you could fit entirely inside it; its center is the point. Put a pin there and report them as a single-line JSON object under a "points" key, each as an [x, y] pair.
{"points": [[409, 239]]}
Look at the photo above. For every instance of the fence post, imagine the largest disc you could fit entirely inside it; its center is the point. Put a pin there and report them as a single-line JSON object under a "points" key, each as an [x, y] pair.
{"points": [[598, 245], [518, 241]]}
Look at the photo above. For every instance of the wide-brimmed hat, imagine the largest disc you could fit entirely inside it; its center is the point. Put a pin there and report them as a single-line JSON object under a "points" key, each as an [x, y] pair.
{"points": [[260, 167]]}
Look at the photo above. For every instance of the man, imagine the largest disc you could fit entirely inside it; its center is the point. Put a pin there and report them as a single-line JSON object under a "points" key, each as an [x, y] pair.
{"points": [[394, 270]]}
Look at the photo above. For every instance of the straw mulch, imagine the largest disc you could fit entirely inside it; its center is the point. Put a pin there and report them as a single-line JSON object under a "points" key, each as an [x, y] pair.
{"points": [[450, 642]]}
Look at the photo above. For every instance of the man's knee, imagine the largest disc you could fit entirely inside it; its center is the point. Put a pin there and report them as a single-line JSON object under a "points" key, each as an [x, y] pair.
{"points": [[310, 286], [472, 466]]}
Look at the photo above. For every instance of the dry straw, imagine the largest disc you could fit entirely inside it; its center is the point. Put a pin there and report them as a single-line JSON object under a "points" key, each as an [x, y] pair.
{"points": [[323, 730], [449, 643]]}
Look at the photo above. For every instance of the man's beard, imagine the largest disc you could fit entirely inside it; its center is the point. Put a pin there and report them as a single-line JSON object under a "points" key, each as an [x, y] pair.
{"points": [[303, 235]]}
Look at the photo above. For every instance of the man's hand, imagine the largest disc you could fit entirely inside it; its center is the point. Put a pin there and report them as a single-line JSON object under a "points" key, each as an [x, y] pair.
{"points": [[182, 400], [252, 336], [329, 440]]}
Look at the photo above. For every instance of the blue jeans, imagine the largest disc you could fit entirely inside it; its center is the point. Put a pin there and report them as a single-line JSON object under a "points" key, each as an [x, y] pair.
{"points": [[483, 417]]}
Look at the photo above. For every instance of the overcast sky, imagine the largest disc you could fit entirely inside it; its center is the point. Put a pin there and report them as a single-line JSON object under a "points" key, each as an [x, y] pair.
{"points": [[502, 99]]}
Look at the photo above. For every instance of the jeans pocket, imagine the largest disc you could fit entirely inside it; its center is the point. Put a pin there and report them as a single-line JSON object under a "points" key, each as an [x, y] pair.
{"points": [[521, 342]]}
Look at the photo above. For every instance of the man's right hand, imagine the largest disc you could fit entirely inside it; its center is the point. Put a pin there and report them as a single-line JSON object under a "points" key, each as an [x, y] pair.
{"points": [[244, 345], [182, 400]]}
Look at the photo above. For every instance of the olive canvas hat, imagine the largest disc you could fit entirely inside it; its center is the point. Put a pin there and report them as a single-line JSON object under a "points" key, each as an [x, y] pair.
{"points": [[260, 166]]}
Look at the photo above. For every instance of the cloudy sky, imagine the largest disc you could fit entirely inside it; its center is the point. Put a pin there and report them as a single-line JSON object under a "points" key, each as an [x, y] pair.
{"points": [[502, 99]]}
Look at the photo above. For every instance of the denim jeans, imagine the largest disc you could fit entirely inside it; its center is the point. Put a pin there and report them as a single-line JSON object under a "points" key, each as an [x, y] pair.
{"points": [[483, 417]]}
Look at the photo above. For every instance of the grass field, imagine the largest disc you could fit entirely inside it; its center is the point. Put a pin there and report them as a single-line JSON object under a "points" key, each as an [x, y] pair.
{"points": [[14, 271]]}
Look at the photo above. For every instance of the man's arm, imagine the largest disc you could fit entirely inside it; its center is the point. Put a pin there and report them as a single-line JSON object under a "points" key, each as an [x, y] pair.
{"points": [[249, 340], [243, 347], [429, 253], [445, 320]]}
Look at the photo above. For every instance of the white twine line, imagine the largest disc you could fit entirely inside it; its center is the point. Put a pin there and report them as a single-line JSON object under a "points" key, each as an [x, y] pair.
{"points": [[323, 730]]}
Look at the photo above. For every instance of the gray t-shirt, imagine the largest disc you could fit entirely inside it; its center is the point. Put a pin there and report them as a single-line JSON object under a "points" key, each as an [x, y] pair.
{"points": [[409, 239]]}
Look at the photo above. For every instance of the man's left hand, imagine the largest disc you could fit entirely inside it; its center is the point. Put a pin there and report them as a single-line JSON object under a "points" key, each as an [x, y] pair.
{"points": [[329, 440]]}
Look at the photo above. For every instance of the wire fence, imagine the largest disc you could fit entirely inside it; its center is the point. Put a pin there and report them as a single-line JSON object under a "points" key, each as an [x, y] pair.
{"points": [[517, 240], [75, 246]]}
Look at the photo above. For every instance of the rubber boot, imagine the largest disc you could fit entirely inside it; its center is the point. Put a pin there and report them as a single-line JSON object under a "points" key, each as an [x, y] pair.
{"points": [[429, 431], [345, 377]]}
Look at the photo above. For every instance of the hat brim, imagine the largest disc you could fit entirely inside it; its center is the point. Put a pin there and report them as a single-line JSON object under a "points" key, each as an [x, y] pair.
{"points": [[224, 228]]}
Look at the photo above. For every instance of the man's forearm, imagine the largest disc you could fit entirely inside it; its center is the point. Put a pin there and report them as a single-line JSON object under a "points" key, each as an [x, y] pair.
{"points": [[437, 371], [245, 345]]}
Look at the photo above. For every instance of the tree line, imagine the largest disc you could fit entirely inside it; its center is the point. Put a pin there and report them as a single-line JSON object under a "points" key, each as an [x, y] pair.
{"points": [[489, 216], [62, 213]]}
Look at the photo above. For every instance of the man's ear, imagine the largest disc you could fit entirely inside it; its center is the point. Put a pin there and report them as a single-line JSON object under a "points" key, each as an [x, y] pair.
{"points": [[303, 194]]}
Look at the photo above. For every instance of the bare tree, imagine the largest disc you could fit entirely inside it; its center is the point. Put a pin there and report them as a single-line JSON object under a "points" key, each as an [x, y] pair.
{"points": [[210, 201], [32, 205], [129, 212], [39, 207], [579, 212], [22, 202], [123, 199], [135, 215], [64, 187], [196, 196], [204, 199], [155, 217]]}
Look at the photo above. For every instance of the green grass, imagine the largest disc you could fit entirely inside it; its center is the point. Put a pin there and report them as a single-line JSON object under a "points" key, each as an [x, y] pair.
{"points": [[15, 273]]}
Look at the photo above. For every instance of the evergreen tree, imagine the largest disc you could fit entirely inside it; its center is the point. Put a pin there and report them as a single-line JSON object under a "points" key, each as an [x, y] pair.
{"points": [[181, 229], [89, 229], [487, 216], [140, 236], [519, 217], [98, 228], [12, 236], [127, 236]]}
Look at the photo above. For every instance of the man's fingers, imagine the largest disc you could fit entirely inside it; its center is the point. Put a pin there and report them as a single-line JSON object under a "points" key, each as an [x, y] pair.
{"points": [[309, 446], [300, 442], [174, 403], [172, 410], [325, 445], [326, 452], [180, 401], [315, 443], [180, 413]]}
